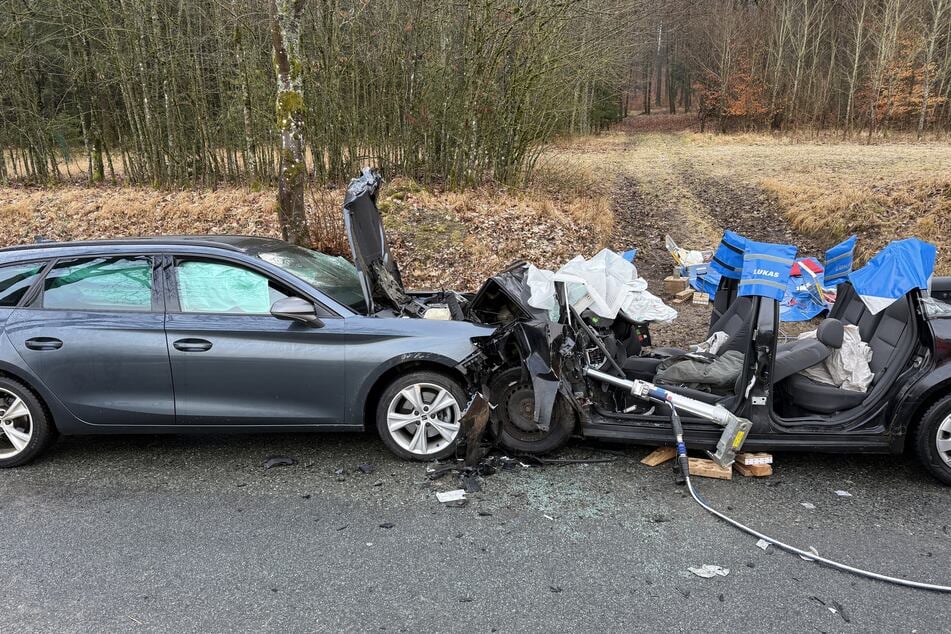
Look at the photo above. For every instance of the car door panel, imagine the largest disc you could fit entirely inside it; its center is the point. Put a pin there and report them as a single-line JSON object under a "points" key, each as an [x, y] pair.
{"points": [[108, 367], [253, 369]]}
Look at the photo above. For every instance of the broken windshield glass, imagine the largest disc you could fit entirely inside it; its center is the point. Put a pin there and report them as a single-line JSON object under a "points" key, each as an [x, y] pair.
{"points": [[331, 275]]}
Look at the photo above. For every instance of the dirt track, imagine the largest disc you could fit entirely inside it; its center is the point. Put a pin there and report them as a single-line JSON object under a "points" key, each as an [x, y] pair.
{"points": [[670, 194]]}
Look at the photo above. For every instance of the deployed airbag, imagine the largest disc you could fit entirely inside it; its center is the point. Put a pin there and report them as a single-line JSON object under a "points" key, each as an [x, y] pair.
{"points": [[607, 284], [848, 366]]}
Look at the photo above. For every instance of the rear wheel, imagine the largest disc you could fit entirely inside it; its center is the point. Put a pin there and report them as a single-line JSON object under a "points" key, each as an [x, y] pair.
{"points": [[25, 429], [418, 415], [514, 401], [932, 440]]}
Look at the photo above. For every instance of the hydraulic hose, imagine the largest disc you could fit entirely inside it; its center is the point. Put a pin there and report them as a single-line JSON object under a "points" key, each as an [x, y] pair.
{"points": [[809, 556]]}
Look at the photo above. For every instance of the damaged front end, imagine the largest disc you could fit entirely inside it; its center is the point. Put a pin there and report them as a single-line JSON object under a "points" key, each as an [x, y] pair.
{"points": [[532, 376]]}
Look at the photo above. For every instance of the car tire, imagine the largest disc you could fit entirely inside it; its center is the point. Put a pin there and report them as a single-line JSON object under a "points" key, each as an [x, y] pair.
{"points": [[22, 437], [514, 401], [405, 405], [935, 428]]}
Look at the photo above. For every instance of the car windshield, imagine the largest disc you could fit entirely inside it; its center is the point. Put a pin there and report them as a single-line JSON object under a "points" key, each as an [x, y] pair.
{"points": [[332, 275]]}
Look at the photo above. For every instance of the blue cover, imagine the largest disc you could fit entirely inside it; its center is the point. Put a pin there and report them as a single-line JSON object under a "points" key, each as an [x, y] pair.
{"points": [[839, 262], [766, 269], [728, 259], [900, 267], [802, 300], [704, 279]]}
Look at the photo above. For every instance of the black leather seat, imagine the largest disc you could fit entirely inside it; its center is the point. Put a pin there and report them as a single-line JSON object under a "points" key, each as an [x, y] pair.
{"points": [[805, 353], [884, 333]]}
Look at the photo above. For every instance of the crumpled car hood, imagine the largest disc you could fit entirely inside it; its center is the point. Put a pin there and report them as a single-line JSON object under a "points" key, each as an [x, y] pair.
{"points": [[379, 274]]}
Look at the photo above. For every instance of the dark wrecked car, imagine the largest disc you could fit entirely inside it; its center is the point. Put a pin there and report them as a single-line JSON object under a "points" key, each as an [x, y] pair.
{"points": [[560, 369]]}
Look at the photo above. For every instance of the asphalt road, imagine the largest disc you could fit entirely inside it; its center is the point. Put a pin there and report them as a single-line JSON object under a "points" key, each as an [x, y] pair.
{"points": [[192, 534]]}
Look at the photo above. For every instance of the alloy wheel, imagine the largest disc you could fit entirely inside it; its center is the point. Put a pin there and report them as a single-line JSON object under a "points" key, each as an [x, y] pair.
{"points": [[423, 418], [943, 440], [16, 424]]}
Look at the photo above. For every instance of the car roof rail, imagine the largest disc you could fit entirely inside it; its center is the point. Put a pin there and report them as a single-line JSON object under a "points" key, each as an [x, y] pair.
{"points": [[208, 241]]}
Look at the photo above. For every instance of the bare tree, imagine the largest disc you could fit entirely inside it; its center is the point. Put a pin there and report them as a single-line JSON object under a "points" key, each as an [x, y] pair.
{"points": [[289, 110]]}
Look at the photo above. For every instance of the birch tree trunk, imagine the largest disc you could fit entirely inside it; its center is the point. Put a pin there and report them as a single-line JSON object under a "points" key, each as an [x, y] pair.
{"points": [[289, 110]]}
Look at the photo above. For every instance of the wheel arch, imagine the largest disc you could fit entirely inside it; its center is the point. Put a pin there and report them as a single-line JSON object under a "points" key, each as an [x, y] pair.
{"points": [[375, 386], [934, 394], [31, 386]]}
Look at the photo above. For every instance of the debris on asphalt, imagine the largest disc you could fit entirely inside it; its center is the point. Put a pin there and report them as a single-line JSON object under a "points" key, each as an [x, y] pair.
{"points": [[279, 461], [366, 468], [344, 527], [484, 514], [451, 496], [387, 525], [556, 589], [708, 571], [763, 544], [808, 505], [837, 608], [470, 481], [843, 494]]}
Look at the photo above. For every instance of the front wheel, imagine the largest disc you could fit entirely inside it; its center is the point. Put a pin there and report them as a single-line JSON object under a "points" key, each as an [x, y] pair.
{"points": [[514, 401], [933, 440], [418, 415]]}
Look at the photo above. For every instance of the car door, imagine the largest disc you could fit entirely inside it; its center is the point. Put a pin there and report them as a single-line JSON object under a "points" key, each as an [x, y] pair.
{"points": [[234, 364], [95, 336]]}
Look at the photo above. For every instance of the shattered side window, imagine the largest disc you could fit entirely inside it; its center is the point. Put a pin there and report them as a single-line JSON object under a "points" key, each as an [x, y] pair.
{"points": [[934, 308]]}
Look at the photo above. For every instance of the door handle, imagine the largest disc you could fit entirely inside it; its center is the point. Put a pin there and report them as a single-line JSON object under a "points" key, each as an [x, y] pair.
{"points": [[192, 345], [44, 343]]}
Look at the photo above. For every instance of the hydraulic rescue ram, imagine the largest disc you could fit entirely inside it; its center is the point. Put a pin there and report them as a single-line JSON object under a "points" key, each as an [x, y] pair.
{"points": [[735, 427]]}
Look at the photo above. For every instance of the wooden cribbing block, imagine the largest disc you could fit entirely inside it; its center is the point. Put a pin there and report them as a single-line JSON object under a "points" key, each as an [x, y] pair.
{"points": [[753, 470], [709, 469], [683, 296], [674, 285], [749, 459], [659, 456]]}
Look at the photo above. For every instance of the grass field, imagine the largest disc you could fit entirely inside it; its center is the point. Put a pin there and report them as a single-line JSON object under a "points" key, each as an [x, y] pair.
{"points": [[623, 188]]}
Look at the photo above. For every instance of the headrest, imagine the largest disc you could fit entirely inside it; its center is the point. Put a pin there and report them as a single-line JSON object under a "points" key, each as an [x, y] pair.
{"points": [[831, 332]]}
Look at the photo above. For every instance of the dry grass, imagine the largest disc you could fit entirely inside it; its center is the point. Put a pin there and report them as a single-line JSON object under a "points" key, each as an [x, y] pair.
{"points": [[74, 213], [441, 239], [449, 239], [827, 188]]}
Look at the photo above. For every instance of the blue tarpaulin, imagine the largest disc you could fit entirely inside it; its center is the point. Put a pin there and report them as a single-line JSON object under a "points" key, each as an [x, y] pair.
{"points": [[766, 269], [839, 262], [803, 299], [728, 259], [901, 266], [703, 278]]}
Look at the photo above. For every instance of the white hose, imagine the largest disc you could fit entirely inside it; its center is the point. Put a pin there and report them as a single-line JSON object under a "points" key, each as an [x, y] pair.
{"points": [[812, 556]]}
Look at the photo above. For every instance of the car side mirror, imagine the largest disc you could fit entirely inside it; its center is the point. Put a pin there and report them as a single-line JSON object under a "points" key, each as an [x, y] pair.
{"points": [[297, 309]]}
